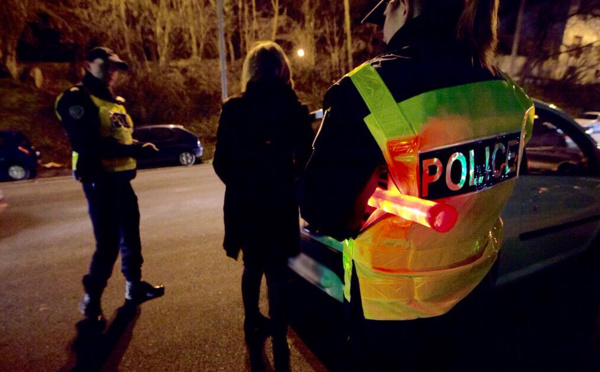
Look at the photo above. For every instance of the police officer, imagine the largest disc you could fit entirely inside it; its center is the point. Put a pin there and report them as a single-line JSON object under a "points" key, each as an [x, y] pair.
{"points": [[431, 118], [104, 152]]}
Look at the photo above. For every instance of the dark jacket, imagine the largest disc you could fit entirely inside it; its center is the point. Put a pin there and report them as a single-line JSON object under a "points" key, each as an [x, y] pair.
{"points": [[263, 143], [347, 163], [80, 118]]}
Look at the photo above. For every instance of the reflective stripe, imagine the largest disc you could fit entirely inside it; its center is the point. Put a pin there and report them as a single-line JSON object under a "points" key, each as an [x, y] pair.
{"points": [[387, 119], [74, 159]]}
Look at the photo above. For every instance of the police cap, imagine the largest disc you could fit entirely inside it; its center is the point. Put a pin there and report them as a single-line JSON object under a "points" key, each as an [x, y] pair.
{"points": [[376, 14], [107, 55]]}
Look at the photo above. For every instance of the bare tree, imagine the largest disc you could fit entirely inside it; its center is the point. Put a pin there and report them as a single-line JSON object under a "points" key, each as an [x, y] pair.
{"points": [[332, 38], [348, 34], [275, 5], [13, 19], [305, 36], [546, 47]]}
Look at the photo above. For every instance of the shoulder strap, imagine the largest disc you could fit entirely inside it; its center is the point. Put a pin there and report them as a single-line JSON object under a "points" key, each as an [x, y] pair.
{"points": [[388, 120]]}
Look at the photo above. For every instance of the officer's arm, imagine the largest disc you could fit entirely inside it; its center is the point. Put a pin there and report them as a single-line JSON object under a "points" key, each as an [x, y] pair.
{"points": [[336, 184], [112, 148], [304, 140], [79, 117]]}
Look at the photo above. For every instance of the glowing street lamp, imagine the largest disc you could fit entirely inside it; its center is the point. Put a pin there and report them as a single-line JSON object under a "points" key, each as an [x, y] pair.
{"points": [[300, 52]]}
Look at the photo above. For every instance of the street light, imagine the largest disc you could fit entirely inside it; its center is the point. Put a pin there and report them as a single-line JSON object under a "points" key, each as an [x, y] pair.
{"points": [[300, 52]]}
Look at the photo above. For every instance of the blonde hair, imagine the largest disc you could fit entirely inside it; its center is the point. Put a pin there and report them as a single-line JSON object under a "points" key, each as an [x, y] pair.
{"points": [[266, 61], [473, 22]]}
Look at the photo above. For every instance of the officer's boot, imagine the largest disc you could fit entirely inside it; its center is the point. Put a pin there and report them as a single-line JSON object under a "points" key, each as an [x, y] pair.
{"points": [[141, 291], [90, 304]]}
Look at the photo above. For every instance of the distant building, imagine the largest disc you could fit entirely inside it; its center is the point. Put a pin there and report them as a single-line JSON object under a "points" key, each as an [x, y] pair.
{"points": [[559, 40], [580, 57]]}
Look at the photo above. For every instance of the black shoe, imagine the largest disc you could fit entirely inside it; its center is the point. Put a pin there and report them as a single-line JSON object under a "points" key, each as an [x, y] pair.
{"points": [[281, 356], [256, 352], [90, 308], [142, 291]]}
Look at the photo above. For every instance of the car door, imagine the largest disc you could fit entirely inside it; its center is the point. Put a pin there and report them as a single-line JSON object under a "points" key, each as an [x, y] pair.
{"points": [[143, 135], [554, 212], [165, 139]]}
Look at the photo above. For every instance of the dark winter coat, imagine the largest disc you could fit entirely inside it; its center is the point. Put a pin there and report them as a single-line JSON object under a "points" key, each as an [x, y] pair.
{"points": [[263, 143]]}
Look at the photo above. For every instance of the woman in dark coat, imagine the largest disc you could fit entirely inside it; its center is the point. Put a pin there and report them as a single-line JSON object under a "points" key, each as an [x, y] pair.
{"points": [[263, 143]]}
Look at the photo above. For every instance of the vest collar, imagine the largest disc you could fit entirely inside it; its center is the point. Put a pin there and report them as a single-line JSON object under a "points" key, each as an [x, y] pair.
{"points": [[97, 88]]}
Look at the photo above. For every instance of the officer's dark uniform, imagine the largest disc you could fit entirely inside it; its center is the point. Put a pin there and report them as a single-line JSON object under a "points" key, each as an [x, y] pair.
{"points": [[100, 130]]}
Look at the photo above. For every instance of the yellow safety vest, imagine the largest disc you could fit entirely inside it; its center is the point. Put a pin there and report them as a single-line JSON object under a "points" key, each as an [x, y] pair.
{"points": [[115, 123], [461, 146]]}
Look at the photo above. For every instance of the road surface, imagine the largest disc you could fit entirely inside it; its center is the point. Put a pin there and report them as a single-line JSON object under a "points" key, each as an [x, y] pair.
{"points": [[46, 243]]}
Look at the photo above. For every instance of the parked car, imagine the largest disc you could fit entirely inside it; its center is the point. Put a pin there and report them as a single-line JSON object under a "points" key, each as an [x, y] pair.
{"points": [[591, 122], [588, 118], [175, 143], [553, 214], [18, 158]]}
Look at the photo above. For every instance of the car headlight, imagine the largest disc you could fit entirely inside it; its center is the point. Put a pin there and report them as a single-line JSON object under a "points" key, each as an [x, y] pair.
{"points": [[593, 129]]}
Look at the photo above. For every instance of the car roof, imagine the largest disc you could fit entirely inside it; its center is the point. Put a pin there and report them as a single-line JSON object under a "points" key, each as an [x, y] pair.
{"points": [[11, 135], [553, 108], [171, 126], [11, 131]]}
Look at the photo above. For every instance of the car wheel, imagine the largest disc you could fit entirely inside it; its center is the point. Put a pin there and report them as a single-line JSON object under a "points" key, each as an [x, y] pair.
{"points": [[18, 172], [567, 168], [187, 158]]}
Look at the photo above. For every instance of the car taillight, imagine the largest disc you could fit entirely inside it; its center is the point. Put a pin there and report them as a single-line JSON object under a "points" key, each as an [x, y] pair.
{"points": [[21, 148]]}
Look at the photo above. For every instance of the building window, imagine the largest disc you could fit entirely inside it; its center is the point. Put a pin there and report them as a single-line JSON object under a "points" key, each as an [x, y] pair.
{"points": [[576, 46]]}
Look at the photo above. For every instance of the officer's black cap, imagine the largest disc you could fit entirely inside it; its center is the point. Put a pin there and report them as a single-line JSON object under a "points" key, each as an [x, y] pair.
{"points": [[107, 55], [376, 14]]}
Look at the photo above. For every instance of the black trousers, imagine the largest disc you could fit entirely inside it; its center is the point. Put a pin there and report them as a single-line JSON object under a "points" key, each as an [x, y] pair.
{"points": [[461, 340], [276, 274], [114, 211]]}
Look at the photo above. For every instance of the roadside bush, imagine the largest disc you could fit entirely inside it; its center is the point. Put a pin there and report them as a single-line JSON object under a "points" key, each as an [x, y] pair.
{"points": [[30, 110]]}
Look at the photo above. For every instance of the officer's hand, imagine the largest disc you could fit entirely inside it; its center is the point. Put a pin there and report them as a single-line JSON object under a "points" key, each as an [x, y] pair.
{"points": [[149, 146]]}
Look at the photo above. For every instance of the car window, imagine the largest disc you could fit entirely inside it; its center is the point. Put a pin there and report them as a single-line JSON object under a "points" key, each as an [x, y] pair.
{"points": [[141, 135], [161, 133], [22, 140], [551, 151], [590, 116]]}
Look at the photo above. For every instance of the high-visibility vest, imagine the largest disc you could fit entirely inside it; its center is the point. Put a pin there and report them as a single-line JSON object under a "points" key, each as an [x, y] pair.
{"points": [[460, 146], [115, 123]]}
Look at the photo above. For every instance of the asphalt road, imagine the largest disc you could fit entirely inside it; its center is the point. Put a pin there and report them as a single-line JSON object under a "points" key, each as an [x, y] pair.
{"points": [[546, 323], [46, 242]]}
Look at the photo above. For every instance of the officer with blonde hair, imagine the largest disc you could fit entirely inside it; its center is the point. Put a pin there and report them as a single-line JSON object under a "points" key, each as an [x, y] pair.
{"points": [[431, 120]]}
